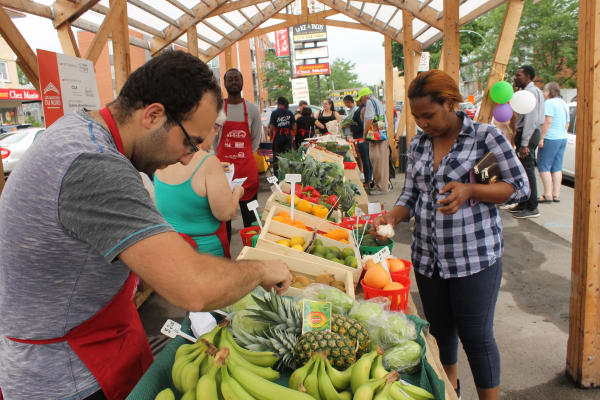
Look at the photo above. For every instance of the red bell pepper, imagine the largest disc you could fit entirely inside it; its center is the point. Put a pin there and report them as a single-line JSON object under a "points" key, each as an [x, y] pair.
{"points": [[332, 199], [307, 188], [314, 199]]}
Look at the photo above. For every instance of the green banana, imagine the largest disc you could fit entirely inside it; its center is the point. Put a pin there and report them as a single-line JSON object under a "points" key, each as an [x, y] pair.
{"points": [[191, 373], [299, 374], [326, 388], [261, 388], [413, 391], [377, 369], [189, 395], [206, 388], [340, 379], [166, 394], [362, 370], [366, 390], [263, 372], [231, 389], [346, 395], [384, 394], [179, 364], [262, 359], [184, 349], [396, 393], [311, 382]]}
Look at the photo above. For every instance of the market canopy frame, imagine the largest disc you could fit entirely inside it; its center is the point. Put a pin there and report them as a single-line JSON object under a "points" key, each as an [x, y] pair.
{"points": [[209, 27]]}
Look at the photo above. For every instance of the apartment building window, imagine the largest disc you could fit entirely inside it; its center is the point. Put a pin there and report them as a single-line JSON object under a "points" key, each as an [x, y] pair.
{"points": [[3, 72]]}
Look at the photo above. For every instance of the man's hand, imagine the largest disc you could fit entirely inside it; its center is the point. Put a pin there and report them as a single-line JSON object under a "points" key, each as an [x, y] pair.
{"points": [[523, 152], [459, 193], [275, 275]]}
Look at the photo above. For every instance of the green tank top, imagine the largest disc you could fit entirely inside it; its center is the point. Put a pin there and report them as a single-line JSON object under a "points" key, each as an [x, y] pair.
{"points": [[189, 213]]}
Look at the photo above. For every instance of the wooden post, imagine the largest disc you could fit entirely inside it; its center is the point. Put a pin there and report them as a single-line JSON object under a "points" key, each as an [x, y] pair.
{"points": [[67, 40], [192, 39], [228, 58], [389, 91], [410, 72], [26, 58], [451, 39], [120, 41], [506, 39], [583, 346]]}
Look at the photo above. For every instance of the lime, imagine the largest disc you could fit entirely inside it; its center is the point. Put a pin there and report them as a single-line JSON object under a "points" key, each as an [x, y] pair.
{"points": [[351, 261], [348, 251]]}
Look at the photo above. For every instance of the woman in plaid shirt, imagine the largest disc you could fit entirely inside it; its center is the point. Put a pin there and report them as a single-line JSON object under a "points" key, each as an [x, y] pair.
{"points": [[457, 243]]}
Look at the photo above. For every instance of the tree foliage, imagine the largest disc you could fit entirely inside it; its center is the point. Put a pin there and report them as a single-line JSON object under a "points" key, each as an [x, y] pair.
{"points": [[276, 76]]}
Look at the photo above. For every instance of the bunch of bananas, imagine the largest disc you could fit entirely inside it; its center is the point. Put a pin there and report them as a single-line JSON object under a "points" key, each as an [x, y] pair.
{"points": [[216, 367], [367, 379]]}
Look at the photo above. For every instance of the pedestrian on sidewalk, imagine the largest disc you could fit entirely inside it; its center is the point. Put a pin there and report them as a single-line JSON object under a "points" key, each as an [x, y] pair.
{"points": [[281, 126], [362, 145], [375, 132], [457, 243], [527, 139], [553, 143]]}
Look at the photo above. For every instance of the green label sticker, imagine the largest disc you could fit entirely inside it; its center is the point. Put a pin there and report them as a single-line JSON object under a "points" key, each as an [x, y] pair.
{"points": [[316, 316]]}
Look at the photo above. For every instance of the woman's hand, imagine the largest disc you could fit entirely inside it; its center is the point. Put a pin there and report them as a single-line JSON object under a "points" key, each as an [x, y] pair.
{"points": [[459, 194], [238, 191], [541, 144], [396, 215]]}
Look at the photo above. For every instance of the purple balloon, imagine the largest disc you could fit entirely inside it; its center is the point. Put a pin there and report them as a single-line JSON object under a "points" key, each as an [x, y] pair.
{"points": [[503, 112]]}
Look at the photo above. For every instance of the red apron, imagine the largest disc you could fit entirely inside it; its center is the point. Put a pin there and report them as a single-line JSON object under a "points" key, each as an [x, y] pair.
{"points": [[112, 344], [222, 235], [235, 147]]}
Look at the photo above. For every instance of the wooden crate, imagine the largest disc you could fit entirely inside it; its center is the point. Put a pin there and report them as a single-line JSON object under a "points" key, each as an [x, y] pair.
{"points": [[325, 155], [301, 266], [271, 201], [274, 231]]}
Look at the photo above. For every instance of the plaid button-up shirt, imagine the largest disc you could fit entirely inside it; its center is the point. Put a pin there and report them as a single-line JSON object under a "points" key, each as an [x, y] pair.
{"points": [[469, 240]]}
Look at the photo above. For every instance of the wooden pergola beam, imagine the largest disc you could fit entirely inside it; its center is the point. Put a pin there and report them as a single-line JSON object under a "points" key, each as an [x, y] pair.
{"points": [[67, 11], [299, 19], [410, 72], [120, 41], [427, 14], [583, 345], [108, 25], [153, 11], [192, 41], [451, 48], [328, 22], [29, 7], [100, 9], [93, 28], [67, 40], [182, 7], [506, 39], [185, 22], [214, 27], [233, 6], [389, 90], [19, 46]]}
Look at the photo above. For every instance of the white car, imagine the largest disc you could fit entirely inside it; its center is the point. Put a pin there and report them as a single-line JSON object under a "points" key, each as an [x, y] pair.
{"points": [[569, 158], [14, 145]]}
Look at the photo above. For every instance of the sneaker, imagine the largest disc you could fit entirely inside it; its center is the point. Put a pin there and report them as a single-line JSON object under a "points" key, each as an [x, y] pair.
{"points": [[509, 206], [457, 390], [377, 192], [527, 214], [517, 209]]}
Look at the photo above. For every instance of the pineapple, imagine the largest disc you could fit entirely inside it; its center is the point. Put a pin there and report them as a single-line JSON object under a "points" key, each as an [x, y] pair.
{"points": [[338, 349], [354, 330], [278, 341]]}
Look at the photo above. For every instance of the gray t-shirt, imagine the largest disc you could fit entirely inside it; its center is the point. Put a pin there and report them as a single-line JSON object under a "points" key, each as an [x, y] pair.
{"points": [[235, 112], [71, 205]]}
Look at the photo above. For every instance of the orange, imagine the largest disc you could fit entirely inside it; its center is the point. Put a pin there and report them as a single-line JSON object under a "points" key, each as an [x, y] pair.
{"points": [[281, 219], [377, 277], [394, 286], [371, 263], [299, 224], [395, 264], [345, 241], [284, 214]]}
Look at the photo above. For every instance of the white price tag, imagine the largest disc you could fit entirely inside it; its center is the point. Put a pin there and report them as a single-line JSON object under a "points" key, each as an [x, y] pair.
{"points": [[253, 206], [292, 179], [374, 208], [173, 329], [273, 181], [358, 212], [381, 257]]}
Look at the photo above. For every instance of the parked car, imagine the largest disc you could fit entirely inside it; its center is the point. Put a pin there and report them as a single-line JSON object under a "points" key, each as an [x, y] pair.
{"points": [[569, 158], [13, 146], [469, 108]]}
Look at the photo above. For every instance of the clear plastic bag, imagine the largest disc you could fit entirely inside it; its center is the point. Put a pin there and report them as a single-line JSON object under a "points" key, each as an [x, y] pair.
{"points": [[391, 328], [405, 357], [372, 309], [341, 303]]}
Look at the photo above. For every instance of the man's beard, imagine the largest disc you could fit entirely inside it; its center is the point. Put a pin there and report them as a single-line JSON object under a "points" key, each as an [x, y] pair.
{"points": [[234, 92], [147, 157]]}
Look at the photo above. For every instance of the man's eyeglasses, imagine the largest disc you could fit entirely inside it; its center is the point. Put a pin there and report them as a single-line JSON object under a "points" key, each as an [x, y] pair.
{"points": [[193, 147]]}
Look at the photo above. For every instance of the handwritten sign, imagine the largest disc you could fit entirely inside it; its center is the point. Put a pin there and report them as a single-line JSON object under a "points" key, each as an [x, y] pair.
{"points": [[253, 206], [381, 257], [173, 329], [292, 179]]}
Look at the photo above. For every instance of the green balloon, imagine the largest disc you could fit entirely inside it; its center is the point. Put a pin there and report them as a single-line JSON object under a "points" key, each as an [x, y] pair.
{"points": [[501, 92]]}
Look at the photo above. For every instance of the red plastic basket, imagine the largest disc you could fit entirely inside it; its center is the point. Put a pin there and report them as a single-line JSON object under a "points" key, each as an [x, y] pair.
{"points": [[350, 222], [405, 273], [247, 234], [349, 165], [398, 297]]}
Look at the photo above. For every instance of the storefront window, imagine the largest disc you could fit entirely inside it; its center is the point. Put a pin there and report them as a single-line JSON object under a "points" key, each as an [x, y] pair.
{"points": [[3, 72], [8, 116]]}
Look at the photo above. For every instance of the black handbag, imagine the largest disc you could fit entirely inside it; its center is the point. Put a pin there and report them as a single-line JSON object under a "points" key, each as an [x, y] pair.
{"points": [[487, 170]]}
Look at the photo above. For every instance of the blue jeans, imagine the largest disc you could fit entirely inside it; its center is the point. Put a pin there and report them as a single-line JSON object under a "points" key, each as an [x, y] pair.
{"points": [[464, 308], [550, 157], [363, 151]]}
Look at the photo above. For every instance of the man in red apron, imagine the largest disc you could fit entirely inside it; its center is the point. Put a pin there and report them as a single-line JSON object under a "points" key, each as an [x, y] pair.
{"points": [[239, 140], [76, 223]]}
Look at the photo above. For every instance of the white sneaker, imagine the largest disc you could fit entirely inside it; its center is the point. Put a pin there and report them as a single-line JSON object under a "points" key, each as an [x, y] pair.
{"points": [[508, 206]]}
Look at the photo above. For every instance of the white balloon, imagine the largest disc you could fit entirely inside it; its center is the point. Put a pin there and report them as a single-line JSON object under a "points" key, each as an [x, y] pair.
{"points": [[523, 102]]}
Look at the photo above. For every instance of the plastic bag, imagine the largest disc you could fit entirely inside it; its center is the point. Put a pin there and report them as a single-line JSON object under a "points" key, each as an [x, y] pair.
{"points": [[391, 328], [365, 310], [405, 357], [341, 303]]}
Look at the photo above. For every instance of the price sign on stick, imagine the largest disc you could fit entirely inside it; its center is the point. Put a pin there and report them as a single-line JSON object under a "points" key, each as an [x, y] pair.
{"points": [[382, 256], [292, 179], [172, 329], [273, 181], [253, 206]]}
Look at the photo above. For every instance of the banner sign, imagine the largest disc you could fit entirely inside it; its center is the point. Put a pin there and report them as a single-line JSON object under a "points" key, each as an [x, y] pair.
{"points": [[337, 96], [312, 52], [424, 62], [282, 44], [67, 83], [300, 90], [310, 33], [19, 94], [312, 69]]}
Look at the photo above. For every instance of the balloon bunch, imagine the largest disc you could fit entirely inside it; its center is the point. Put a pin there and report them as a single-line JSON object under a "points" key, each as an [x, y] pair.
{"points": [[522, 102]]}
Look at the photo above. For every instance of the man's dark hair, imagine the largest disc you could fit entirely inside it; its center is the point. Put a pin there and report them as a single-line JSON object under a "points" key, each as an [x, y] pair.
{"points": [[302, 103], [348, 98], [232, 70], [282, 101], [529, 71], [306, 111], [175, 79]]}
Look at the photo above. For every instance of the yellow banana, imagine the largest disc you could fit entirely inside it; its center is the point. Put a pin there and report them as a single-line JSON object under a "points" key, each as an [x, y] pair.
{"points": [[190, 373], [263, 389], [340, 379], [366, 390], [362, 370], [206, 388], [264, 372], [231, 389], [180, 363], [311, 382], [384, 393], [413, 391], [396, 393], [189, 395], [262, 359], [326, 388], [299, 374], [377, 369], [166, 394]]}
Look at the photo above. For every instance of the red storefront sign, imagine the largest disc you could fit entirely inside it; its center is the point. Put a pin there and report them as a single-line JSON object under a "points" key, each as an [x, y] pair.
{"points": [[312, 69], [282, 43], [19, 94]]}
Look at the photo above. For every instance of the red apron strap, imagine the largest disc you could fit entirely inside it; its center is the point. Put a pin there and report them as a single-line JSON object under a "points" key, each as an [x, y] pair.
{"points": [[112, 127]]}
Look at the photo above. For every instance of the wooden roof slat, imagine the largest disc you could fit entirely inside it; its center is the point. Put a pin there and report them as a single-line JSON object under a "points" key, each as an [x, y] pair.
{"points": [[362, 7], [100, 38], [207, 40], [259, 10], [234, 6], [67, 40], [424, 4], [391, 18], [230, 22], [100, 9], [244, 15], [421, 31], [376, 12], [153, 11], [29, 7], [427, 14], [91, 27], [182, 7], [214, 27], [440, 14], [66, 11]]}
